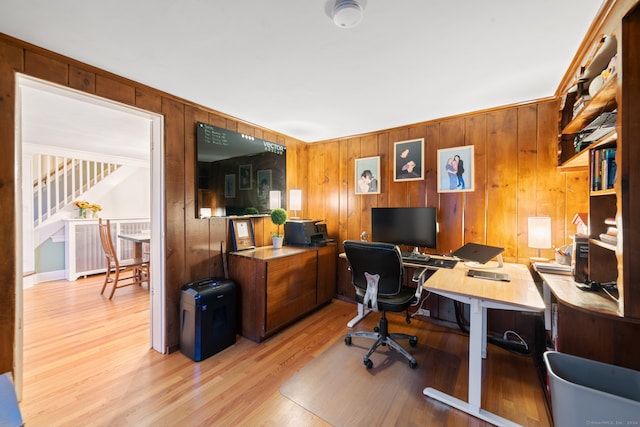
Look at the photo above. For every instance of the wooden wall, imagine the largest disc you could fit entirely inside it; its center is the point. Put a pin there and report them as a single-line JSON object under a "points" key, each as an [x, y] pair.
{"points": [[516, 176], [515, 163], [192, 245]]}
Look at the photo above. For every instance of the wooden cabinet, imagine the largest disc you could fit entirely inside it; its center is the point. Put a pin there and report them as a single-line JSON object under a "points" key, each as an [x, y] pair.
{"points": [[278, 286]]}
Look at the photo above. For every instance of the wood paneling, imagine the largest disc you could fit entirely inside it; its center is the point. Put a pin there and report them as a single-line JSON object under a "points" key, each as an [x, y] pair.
{"points": [[516, 176], [46, 67], [11, 61], [82, 79], [628, 200]]}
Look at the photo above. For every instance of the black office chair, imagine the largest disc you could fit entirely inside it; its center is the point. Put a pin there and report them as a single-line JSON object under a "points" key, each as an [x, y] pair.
{"points": [[377, 273]]}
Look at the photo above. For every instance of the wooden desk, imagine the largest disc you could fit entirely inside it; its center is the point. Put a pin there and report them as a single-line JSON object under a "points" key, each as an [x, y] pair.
{"points": [[519, 294]]}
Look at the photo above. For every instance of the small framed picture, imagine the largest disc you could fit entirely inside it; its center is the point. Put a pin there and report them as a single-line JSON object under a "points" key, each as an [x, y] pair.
{"points": [[263, 178], [368, 175], [242, 234], [245, 177], [230, 186], [408, 160], [455, 169]]}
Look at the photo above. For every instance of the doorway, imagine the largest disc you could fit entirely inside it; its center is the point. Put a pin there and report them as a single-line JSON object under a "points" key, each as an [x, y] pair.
{"points": [[152, 148]]}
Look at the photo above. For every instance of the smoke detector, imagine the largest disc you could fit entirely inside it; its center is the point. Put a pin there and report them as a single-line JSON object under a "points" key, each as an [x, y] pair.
{"points": [[347, 13]]}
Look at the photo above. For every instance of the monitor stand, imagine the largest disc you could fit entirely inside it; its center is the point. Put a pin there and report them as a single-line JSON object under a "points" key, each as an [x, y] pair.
{"points": [[417, 255], [490, 264]]}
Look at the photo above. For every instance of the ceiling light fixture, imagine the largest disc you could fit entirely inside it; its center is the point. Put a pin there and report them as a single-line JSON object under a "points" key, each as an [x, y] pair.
{"points": [[347, 13]]}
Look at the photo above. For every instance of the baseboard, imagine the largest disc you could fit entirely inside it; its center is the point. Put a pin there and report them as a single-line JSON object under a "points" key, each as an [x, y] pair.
{"points": [[47, 276]]}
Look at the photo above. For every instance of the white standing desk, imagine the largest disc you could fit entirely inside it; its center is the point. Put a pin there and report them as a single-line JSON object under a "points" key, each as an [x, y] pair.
{"points": [[520, 294]]}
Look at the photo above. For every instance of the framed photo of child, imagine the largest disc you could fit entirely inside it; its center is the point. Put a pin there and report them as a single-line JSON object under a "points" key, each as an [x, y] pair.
{"points": [[367, 177], [455, 169], [408, 162]]}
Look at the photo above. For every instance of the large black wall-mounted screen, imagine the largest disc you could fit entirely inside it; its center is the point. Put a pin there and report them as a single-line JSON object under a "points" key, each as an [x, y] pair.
{"points": [[236, 172], [405, 226]]}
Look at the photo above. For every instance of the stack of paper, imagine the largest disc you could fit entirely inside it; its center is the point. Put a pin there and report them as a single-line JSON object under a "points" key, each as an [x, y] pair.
{"points": [[550, 267]]}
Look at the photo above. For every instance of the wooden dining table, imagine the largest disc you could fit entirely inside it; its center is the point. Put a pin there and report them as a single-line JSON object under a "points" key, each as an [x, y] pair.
{"points": [[138, 239]]}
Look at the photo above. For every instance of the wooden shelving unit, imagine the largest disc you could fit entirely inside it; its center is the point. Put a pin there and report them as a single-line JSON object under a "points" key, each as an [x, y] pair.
{"points": [[609, 324]]}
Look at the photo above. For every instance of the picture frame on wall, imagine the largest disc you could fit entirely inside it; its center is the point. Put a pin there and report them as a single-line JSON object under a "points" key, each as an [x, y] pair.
{"points": [[408, 159], [245, 172], [242, 234], [367, 179], [263, 182], [456, 169], [230, 186]]}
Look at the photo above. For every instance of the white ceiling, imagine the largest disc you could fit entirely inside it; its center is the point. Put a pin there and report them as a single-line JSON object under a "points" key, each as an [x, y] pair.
{"points": [[284, 65]]}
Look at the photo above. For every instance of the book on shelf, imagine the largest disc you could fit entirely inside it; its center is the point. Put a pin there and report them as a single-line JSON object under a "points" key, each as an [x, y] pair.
{"points": [[610, 221], [607, 238], [603, 168], [580, 103], [611, 235]]}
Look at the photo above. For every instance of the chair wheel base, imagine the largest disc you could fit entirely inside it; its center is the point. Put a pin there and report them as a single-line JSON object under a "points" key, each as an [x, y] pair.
{"points": [[368, 363]]}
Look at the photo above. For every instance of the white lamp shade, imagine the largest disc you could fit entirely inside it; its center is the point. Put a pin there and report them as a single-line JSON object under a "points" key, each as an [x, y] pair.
{"points": [[274, 199], [539, 229], [295, 200]]}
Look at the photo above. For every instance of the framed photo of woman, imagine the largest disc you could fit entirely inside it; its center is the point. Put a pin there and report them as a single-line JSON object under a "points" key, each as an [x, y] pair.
{"points": [[455, 169], [408, 162], [368, 175]]}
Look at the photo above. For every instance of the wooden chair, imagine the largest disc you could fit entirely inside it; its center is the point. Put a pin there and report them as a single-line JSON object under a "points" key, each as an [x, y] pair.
{"points": [[121, 275]]}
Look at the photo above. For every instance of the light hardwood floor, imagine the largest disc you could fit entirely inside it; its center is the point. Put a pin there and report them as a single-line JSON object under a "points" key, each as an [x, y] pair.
{"points": [[87, 362]]}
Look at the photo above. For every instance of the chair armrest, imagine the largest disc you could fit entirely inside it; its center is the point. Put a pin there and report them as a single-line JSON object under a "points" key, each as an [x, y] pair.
{"points": [[418, 277]]}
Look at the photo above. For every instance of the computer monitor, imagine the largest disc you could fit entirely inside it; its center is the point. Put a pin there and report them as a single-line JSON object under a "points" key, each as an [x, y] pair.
{"points": [[416, 227]]}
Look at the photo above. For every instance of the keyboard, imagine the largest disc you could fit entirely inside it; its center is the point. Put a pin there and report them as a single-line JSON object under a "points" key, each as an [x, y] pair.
{"points": [[489, 275], [427, 261]]}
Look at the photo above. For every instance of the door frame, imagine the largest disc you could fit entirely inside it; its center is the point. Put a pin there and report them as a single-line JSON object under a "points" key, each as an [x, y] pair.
{"points": [[158, 328]]}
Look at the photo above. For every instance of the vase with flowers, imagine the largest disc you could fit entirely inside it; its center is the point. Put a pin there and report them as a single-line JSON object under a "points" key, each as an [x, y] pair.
{"points": [[94, 208], [86, 209], [82, 206]]}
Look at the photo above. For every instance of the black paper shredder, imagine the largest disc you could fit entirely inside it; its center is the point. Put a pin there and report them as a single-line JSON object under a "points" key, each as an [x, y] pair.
{"points": [[207, 317]]}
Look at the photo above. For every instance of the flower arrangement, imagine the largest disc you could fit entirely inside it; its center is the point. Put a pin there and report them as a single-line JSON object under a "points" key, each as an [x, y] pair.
{"points": [[83, 206]]}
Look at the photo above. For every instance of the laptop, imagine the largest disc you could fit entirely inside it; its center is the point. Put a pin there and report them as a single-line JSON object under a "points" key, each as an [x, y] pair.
{"points": [[477, 252]]}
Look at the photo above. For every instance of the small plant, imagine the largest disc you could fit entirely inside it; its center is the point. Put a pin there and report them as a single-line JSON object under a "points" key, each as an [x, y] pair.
{"points": [[251, 211], [278, 217]]}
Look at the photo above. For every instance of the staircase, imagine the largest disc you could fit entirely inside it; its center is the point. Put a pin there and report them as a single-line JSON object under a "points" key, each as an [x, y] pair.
{"points": [[61, 181]]}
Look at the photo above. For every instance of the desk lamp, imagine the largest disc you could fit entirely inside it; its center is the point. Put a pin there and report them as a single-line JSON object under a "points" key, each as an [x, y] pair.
{"points": [[539, 229], [295, 202], [274, 199]]}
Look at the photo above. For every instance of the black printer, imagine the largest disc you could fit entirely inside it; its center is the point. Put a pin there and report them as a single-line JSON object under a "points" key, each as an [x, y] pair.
{"points": [[305, 232]]}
